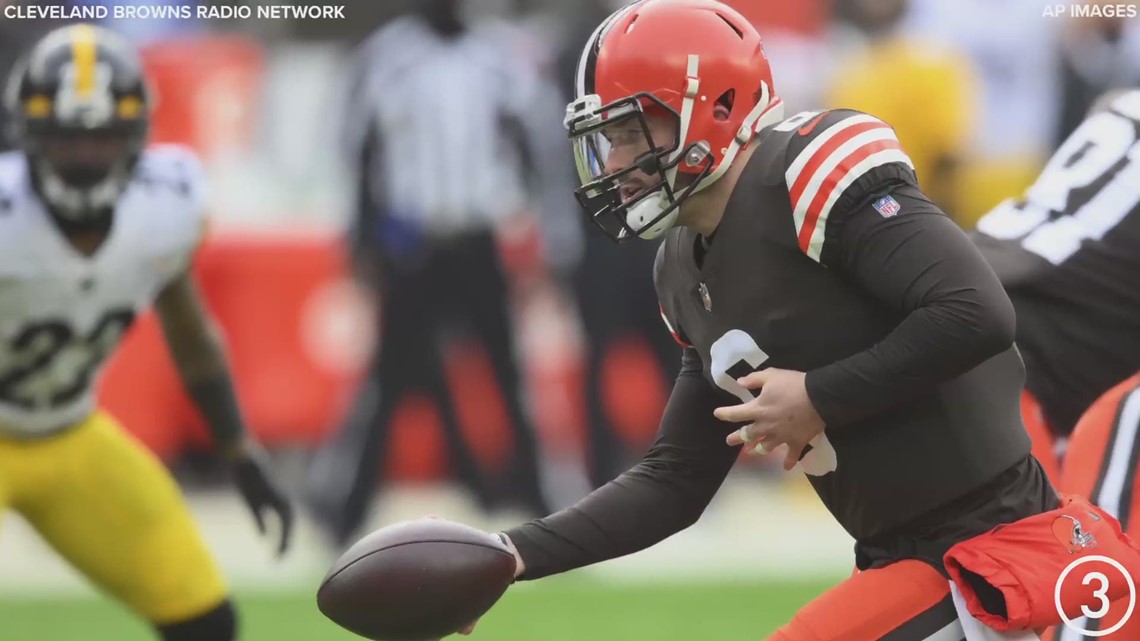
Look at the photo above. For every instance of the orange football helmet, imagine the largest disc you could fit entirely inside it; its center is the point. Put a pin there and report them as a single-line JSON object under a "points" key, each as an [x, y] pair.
{"points": [[697, 62]]}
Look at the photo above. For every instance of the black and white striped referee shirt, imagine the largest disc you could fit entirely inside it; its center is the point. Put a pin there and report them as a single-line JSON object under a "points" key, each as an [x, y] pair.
{"points": [[456, 133]]}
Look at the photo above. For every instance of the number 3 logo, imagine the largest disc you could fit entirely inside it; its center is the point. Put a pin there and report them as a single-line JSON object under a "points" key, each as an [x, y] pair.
{"points": [[1100, 593], [736, 354]]}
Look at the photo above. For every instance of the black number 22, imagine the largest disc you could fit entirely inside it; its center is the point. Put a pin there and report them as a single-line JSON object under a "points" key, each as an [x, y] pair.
{"points": [[38, 377]]}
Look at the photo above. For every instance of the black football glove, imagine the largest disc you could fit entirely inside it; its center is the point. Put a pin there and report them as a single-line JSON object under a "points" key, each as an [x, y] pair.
{"points": [[250, 466]]}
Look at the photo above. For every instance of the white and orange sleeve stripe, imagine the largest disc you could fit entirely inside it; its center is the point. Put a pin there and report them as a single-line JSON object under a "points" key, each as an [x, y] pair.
{"points": [[673, 332], [829, 164]]}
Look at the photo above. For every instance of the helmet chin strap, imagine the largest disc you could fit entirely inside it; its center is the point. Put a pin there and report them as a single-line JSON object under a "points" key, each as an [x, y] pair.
{"points": [[80, 205], [646, 210], [765, 113]]}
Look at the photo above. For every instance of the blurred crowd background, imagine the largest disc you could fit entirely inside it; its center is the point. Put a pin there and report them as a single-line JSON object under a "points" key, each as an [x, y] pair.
{"points": [[980, 92]]}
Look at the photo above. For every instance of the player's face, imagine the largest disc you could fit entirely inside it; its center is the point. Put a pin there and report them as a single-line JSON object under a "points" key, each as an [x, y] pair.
{"points": [[83, 159], [630, 145]]}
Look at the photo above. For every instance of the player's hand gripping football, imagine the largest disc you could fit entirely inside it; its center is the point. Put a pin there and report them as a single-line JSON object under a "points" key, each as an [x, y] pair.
{"points": [[519, 568], [781, 415], [250, 465]]}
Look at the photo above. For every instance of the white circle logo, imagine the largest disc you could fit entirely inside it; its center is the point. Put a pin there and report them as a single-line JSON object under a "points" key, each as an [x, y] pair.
{"points": [[1100, 593]]}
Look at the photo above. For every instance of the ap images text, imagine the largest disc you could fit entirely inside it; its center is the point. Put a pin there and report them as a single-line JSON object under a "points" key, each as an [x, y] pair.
{"points": [[1089, 10]]}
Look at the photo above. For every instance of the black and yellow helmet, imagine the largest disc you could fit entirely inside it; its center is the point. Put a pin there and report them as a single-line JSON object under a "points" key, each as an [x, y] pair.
{"points": [[80, 110]]}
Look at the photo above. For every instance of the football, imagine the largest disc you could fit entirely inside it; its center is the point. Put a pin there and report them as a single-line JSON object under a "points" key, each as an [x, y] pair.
{"points": [[416, 581]]}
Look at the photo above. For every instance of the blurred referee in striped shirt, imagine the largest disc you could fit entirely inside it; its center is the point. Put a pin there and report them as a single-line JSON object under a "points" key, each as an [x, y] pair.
{"points": [[452, 136]]}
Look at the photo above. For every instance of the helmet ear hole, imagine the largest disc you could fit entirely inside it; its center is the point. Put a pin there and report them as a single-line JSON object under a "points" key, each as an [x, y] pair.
{"points": [[723, 106]]}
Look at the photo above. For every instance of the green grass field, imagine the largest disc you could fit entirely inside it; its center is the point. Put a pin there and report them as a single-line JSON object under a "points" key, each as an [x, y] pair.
{"points": [[554, 610]]}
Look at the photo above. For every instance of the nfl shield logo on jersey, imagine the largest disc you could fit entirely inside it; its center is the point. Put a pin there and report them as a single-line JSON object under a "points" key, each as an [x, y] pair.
{"points": [[887, 206]]}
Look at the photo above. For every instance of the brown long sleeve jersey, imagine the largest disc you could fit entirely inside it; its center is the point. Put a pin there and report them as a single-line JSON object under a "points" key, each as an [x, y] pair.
{"points": [[828, 260]]}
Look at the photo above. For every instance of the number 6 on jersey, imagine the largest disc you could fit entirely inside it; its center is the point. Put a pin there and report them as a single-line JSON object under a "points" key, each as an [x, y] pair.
{"points": [[736, 354]]}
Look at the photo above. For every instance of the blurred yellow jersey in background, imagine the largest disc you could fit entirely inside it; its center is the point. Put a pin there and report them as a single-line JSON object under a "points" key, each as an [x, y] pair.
{"points": [[927, 96]]}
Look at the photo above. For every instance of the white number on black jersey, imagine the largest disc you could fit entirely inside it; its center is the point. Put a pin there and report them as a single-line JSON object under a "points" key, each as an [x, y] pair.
{"points": [[736, 354], [1050, 223]]}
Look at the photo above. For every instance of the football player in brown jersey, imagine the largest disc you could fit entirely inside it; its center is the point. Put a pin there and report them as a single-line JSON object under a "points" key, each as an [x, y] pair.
{"points": [[828, 311]]}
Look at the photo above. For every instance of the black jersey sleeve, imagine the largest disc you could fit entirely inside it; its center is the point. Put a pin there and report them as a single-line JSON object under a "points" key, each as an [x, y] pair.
{"points": [[954, 313], [663, 494]]}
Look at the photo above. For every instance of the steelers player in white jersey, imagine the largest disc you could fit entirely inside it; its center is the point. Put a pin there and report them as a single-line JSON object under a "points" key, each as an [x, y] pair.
{"points": [[94, 228]]}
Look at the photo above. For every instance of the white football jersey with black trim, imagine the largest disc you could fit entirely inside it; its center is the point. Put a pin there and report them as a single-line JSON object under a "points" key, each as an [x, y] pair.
{"points": [[62, 313]]}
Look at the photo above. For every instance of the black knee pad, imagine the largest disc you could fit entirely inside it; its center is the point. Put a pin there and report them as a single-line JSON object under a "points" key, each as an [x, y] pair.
{"points": [[219, 624]]}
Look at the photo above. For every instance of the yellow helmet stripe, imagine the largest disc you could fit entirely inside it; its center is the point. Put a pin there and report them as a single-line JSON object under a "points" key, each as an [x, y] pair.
{"points": [[83, 54]]}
